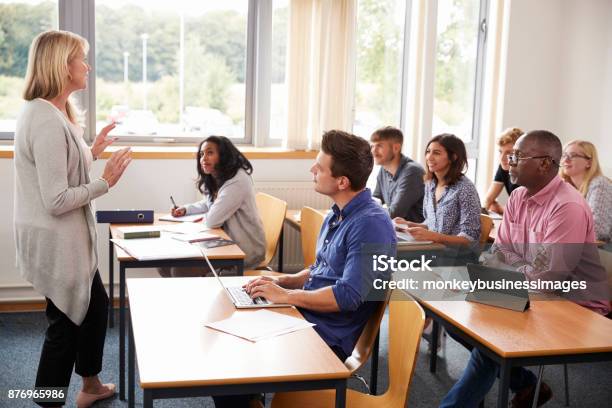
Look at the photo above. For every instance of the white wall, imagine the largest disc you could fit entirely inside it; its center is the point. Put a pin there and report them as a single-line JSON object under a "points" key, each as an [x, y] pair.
{"points": [[532, 70], [147, 184], [559, 70]]}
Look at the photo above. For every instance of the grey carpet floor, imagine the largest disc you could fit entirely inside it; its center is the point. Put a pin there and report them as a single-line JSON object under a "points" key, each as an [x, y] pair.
{"points": [[21, 336]]}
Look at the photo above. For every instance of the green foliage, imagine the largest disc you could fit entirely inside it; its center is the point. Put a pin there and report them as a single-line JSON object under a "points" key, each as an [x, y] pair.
{"points": [[163, 99], [379, 45], [455, 63], [19, 24]]}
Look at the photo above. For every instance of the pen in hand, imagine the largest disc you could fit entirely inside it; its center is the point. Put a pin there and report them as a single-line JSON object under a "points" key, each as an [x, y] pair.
{"points": [[173, 203]]}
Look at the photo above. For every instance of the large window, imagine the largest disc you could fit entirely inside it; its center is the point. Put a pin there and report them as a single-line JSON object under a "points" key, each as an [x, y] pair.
{"points": [[20, 22], [456, 67], [177, 71], [380, 50], [172, 69], [459, 64]]}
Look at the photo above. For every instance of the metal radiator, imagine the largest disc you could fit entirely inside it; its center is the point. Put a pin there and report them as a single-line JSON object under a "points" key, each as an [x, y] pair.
{"points": [[297, 195]]}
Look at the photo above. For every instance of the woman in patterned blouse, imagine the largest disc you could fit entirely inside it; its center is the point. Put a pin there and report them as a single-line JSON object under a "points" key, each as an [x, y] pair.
{"points": [[580, 167], [451, 206]]}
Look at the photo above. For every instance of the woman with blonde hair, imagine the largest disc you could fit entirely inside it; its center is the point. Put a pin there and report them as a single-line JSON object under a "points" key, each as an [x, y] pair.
{"points": [[580, 167], [505, 142], [55, 231]]}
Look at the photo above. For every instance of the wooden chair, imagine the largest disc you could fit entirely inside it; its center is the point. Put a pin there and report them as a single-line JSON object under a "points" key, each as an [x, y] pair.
{"points": [[311, 221], [272, 213], [365, 342], [486, 225], [406, 320]]}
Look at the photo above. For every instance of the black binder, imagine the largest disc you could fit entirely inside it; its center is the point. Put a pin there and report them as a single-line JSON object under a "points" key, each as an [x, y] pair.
{"points": [[125, 216]]}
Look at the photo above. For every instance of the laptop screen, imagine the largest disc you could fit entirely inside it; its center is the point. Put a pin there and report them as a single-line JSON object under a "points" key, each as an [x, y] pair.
{"points": [[203, 252]]}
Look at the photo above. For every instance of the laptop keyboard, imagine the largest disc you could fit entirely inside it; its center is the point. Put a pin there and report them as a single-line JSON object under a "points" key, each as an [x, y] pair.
{"points": [[243, 298]]}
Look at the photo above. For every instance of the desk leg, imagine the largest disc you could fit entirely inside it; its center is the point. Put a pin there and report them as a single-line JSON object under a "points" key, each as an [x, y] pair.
{"points": [[504, 384], [341, 394], [131, 365], [148, 399], [374, 373], [121, 331], [111, 280], [536, 394], [433, 355], [281, 247]]}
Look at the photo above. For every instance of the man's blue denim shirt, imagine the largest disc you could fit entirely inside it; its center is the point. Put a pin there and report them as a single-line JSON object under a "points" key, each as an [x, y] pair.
{"points": [[347, 241]]}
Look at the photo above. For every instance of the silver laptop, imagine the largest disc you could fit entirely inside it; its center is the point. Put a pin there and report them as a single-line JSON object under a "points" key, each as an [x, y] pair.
{"points": [[237, 294]]}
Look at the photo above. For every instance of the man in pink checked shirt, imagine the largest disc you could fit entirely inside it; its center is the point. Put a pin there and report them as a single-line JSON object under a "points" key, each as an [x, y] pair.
{"points": [[546, 233]]}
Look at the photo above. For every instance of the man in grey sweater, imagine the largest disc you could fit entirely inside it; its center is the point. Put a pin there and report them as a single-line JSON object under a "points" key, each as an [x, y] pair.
{"points": [[399, 184]]}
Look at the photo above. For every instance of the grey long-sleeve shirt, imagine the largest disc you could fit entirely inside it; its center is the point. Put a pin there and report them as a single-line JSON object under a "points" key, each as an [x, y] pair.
{"points": [[235, 211], [402, 192]]}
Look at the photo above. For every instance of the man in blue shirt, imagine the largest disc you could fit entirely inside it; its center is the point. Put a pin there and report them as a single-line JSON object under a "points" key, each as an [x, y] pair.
{"points": [[332, 292]]}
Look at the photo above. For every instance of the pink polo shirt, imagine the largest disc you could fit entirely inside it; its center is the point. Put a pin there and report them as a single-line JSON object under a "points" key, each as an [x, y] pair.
{"points": [[557, 214]]}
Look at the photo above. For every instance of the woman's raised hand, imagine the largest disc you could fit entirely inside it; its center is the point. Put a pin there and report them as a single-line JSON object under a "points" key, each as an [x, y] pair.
{"points": [[102, 141], [116, 165]]}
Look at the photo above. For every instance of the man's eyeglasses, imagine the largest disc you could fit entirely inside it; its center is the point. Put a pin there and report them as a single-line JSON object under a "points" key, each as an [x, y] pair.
{"points": [[572, 156], [513, 159]]}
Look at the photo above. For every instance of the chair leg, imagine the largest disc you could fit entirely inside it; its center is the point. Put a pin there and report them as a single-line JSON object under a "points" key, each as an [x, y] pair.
{"points": [[567, 402], [534, 404]]}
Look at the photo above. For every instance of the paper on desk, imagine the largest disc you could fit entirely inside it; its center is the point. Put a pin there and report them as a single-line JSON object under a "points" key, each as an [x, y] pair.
{"points": [[259, 325], [185, 218], [149, 249], [185, 228]]}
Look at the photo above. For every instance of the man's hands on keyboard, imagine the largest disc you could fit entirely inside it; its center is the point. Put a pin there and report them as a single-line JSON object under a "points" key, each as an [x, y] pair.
{"points": [[268, 288]]}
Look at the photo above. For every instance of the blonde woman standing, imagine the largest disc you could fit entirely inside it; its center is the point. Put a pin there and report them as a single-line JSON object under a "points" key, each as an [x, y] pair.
{"points": [[580, 167], [55, 231]]}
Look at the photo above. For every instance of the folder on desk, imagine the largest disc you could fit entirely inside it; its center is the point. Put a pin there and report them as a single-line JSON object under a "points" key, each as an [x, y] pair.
{"points": [[124, 216]]}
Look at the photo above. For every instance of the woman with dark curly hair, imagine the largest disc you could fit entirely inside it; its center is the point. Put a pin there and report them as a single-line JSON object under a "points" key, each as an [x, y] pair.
{"points": [[229, 199]]}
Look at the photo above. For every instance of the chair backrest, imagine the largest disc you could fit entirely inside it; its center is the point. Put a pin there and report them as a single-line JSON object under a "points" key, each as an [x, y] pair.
{"points": [[311, 221], [365, 343], [406, 321], [272, 213], [486, 225]]}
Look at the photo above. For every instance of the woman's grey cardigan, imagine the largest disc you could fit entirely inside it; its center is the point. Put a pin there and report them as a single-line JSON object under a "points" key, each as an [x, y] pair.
{"points": [[55, 231]]}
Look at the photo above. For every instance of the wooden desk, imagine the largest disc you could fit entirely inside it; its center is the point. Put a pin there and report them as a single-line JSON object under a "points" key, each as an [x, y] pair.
{"points": [[550, 332], [226, 256], [179, 357]]}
